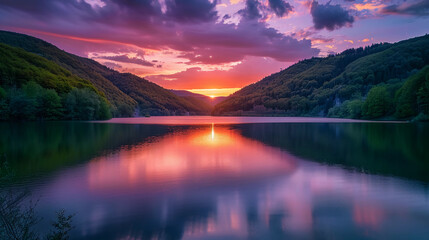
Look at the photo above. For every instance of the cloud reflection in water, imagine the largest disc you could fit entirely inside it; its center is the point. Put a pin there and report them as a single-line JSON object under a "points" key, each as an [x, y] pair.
{"points": [[211, 182]]}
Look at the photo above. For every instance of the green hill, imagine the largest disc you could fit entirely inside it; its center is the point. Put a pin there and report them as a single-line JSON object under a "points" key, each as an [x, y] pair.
{"points": [[413, 97], [154, 99], [33, 88], [126, 92], [357, 83], [19, 67]]}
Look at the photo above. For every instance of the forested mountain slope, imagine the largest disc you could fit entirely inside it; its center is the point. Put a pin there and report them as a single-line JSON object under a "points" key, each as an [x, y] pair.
{"points": [[337, 85], [126, 92], [34, 88]]}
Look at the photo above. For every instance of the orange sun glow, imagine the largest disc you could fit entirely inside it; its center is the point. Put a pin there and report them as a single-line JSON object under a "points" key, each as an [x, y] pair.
{"points": [[215, 92]]}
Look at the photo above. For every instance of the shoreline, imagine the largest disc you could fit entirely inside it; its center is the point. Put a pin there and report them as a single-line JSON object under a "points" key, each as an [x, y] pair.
{"points": [[207, 120]]}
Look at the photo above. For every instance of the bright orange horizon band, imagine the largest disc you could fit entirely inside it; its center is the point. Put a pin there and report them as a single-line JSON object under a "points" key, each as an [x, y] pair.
{"points": [[214, 92]]}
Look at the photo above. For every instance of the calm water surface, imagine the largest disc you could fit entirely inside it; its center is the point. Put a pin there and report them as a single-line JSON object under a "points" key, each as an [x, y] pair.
{"points": [[351, 180]]}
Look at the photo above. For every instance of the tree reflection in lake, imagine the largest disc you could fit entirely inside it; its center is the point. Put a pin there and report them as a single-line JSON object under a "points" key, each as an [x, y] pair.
{"points": [[389, 149], [261, 181]]}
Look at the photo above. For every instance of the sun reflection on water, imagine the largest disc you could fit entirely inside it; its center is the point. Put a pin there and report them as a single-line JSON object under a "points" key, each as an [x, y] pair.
{"points": [[204, 154], [212, 182]]}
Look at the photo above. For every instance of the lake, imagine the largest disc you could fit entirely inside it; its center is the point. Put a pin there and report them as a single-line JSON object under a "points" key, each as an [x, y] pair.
{"points": [[226, 178]]}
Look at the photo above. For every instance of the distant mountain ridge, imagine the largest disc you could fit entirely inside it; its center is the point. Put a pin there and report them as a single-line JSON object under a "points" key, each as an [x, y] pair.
{"points": [[126, 93], [208, 100], [357, 83]]}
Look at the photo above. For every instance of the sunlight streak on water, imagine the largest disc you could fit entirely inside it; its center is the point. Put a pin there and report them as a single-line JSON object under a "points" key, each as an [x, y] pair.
{"points": [[229, 181], [199, 157]]}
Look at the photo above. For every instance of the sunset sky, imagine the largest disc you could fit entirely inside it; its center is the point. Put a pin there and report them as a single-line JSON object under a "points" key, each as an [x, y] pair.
{"points": [[208, 46]]}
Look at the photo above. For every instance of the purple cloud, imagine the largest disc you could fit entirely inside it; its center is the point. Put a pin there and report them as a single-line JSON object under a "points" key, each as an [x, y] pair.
{"points": [[189, 27], [419, 8], [329, 16], [255, 10], [251, 10], [280, 7], [225, 43], [191, 10], [125, 59]]}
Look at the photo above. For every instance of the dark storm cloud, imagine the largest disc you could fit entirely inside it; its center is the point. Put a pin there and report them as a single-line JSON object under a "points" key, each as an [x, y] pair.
{"points": [[329, 16], [280, 7], [192, 10], [254, 10], [251, 10], [420, 8]]}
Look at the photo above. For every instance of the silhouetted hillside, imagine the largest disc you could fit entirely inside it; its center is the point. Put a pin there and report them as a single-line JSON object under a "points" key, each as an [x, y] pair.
{"points": [[208, 101]]}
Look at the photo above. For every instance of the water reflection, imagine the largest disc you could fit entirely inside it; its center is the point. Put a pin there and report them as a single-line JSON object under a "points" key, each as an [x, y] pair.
{"points": [[239, 182], [199, 156], [388, 149], [35, 148]]}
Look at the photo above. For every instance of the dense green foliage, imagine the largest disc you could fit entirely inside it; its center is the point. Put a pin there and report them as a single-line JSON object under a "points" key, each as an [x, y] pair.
{"points": [[18, 67], [413, 97], [349, 109], [377, 102], [33, 88], [33, 102], [81, 67], [124, 91], [338, 84], [84, 104]]}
